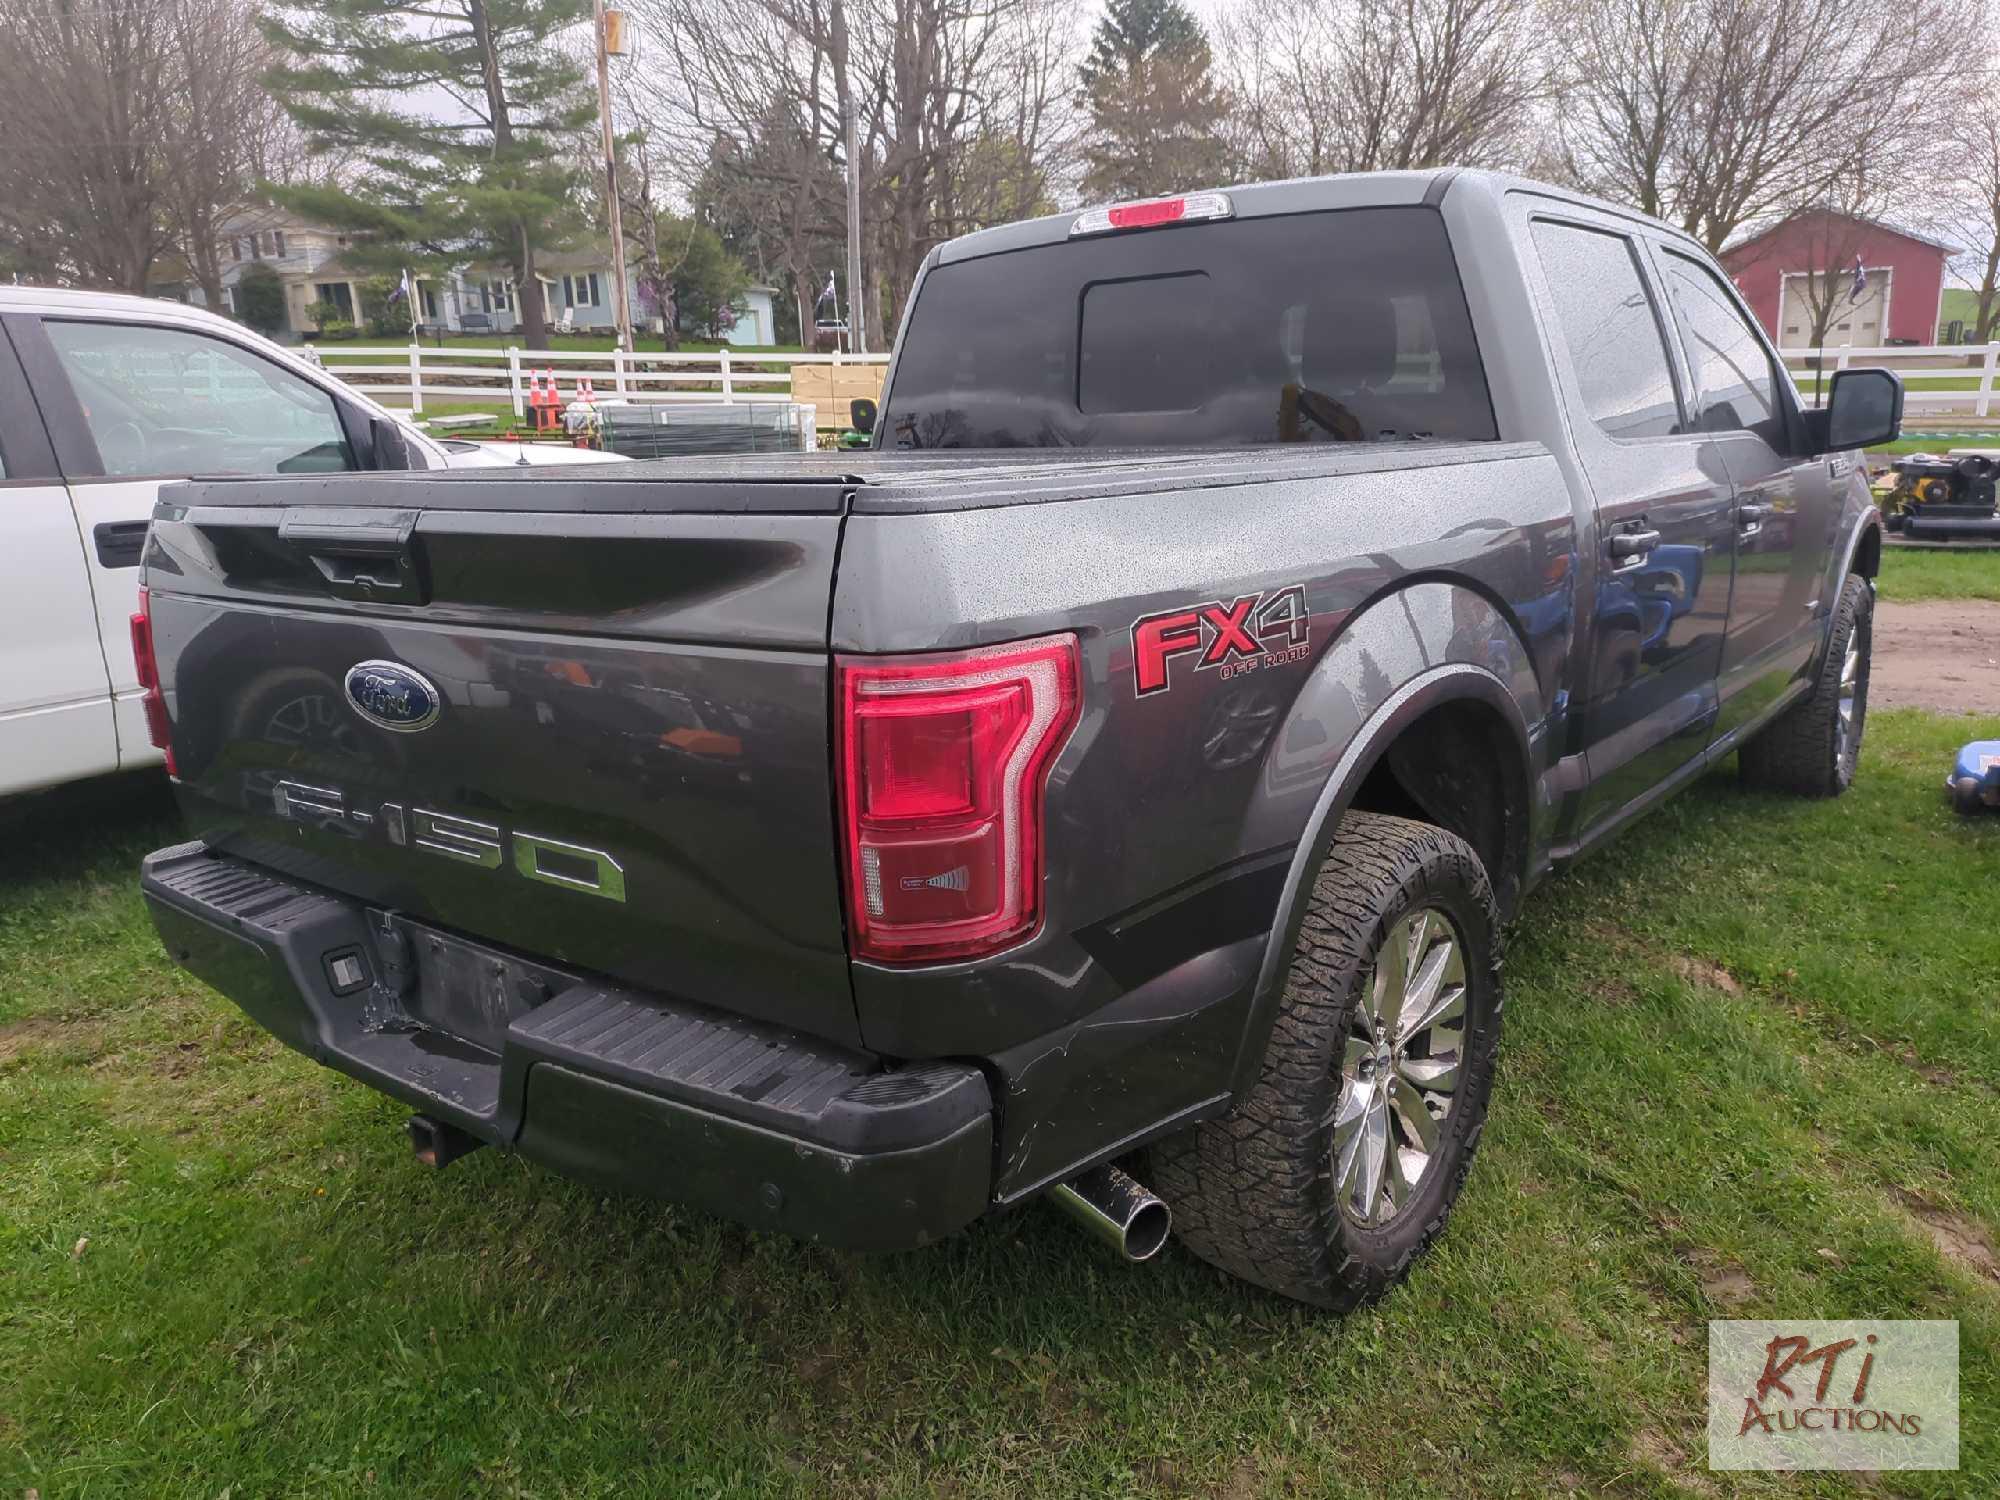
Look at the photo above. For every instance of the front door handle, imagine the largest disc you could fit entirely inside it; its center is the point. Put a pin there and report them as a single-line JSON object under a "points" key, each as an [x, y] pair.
{"points": [[1750, 516], [1629, 548]]}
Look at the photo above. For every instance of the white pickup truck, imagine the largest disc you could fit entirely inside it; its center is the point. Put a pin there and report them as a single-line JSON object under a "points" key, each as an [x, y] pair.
{"points": [[104, 398]]}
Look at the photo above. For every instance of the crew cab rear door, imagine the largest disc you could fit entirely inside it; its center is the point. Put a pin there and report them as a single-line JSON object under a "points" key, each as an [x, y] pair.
{"points": [[1783, 512], [1657, 579]]}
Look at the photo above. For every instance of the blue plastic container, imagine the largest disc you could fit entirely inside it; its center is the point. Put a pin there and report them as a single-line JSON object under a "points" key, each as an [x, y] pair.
{"points": [[1975, 777]]}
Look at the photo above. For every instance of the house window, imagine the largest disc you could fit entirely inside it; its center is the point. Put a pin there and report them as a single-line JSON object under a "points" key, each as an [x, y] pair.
{"points": [[581, 291], [339, 294], [427, 295], [499, 296], [278, 243]]}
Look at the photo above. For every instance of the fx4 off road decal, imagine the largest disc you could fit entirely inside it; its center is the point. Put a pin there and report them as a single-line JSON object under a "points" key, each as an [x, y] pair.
{"points": [[1257, 630]]}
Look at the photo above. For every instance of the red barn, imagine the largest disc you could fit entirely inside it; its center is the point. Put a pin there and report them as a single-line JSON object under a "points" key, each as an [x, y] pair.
{"points": [[1805, 267]]}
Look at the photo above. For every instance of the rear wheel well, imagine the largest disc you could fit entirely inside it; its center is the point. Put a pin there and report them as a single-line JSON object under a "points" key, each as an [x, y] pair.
{"points": [[1459, 767]]}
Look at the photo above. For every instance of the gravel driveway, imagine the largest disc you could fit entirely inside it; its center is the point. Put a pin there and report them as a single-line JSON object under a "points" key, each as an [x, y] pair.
{"points": [[1941, 654]]}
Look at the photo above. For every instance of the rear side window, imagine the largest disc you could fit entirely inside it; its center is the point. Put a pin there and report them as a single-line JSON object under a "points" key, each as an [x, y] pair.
{"points": [[1616, 346], [169, 401], [1344, 326], [1732, 373]]}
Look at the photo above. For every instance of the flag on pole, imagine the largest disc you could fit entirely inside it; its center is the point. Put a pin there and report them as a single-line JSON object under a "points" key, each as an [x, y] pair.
{"points": [[1860, 280], [828, 294]]}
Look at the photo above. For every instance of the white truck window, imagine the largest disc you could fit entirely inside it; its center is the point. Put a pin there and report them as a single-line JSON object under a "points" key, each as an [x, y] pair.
{"points": [[161, 401]]}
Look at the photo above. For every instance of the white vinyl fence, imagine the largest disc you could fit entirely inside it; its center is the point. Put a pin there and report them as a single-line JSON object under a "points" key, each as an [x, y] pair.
{"points": [[1972, 371], [1939, 379], [416, 374]]}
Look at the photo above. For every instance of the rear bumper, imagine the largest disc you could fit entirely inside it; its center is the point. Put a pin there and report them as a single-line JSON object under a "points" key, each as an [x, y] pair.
{"points": [[628, 1091]]}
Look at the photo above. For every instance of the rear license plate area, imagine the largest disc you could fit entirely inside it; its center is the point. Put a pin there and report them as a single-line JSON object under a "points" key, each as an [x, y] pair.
{"points": [[464, 989]]}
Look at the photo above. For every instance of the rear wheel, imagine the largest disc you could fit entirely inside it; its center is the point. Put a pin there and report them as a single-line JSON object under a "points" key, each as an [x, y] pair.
{"points": [[1814, 747], [1341, 1162]]}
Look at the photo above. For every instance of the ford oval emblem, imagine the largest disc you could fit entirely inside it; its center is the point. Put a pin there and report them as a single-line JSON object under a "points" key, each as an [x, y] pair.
{"points": [[391, 695]]}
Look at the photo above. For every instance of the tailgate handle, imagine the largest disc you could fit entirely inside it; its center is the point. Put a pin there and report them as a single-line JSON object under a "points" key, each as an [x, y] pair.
{"points": [[369, 556]]}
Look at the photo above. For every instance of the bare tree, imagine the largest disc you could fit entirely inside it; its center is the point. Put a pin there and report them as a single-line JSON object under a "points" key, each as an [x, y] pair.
{"points": [[220, 130], [1717, 114], [1366, 85], [958, 103], [1972, 177], [84, 89]]}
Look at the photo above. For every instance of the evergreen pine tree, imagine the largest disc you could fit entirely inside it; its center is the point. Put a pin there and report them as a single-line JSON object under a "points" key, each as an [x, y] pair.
{"points": [[464, 112], [1156, 114]]}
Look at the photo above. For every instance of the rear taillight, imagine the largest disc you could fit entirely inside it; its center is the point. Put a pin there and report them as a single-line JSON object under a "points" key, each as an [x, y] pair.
{"points": [[943, 760], [157, 728]]}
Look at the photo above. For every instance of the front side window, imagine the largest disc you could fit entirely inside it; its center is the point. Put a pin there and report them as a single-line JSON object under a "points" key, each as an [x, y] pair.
{"points": [[1616, 346], [1733, 377], [1344, 326], [169, 401]]}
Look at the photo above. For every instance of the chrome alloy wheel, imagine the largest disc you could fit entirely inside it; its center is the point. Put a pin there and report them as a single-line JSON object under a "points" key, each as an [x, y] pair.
{"points": [[1847, 740], [1399, 1077]]}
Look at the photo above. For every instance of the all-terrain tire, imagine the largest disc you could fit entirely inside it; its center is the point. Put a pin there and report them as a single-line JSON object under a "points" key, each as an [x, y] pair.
{"points": [[1254, 1192], [1812, 749]]}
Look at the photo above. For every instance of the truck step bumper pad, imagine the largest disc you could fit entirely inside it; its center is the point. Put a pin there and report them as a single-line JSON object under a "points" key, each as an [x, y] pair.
{"points": [[628, 1091]]}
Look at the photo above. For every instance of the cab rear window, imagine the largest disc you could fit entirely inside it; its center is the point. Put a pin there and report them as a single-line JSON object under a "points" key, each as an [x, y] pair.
{"points": [[1345, 326]]}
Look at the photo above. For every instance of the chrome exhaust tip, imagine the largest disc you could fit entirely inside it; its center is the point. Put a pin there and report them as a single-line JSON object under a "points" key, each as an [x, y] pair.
{"points": [[1117, 1210]]}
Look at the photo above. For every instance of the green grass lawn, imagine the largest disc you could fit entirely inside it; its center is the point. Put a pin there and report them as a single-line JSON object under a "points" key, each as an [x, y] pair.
{"points": [[1938, 573], [1752, 1069], [1933, 442]]}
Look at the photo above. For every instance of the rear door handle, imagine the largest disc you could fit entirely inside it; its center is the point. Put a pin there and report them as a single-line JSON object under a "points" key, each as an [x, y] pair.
{"points": [[1750, 516], [1629, 548]]}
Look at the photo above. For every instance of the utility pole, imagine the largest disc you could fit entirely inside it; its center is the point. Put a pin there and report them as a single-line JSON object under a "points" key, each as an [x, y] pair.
{"points": [[617, 218], [857, 318]]}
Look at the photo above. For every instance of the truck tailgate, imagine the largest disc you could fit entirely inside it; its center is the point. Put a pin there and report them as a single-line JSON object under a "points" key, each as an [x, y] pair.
{"points": [[627, 769]]}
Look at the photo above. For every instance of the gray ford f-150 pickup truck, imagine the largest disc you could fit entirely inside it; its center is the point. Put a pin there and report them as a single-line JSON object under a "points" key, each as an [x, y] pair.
{"points": [[1248, 598]]}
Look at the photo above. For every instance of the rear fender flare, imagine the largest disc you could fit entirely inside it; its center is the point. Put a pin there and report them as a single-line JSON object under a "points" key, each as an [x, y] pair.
{"points": [[1406, 654]]}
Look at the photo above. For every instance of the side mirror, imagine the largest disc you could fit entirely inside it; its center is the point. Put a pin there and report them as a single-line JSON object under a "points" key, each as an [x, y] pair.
{"points": [[1864, 408], [393, 450], [861, 414]]}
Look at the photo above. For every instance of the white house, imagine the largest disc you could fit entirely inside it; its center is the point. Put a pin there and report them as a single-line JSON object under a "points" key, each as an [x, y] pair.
{"points": [[474, 298], [306, 258]]}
